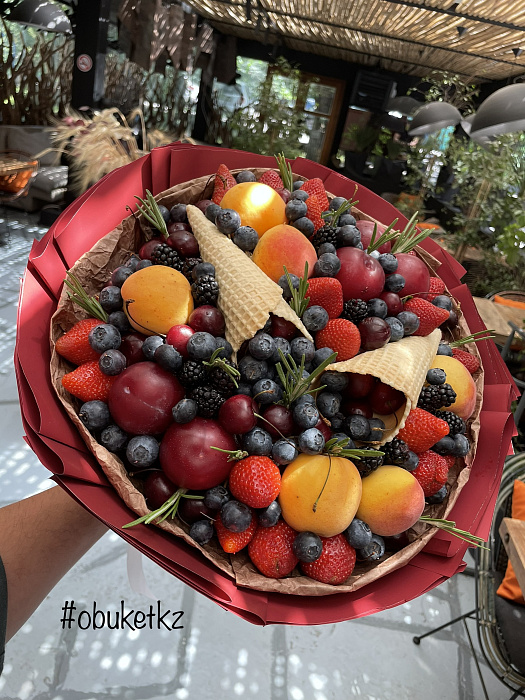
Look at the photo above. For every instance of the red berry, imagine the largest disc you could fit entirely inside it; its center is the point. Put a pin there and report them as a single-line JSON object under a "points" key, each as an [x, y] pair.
{"points": [[340, 335], [328, 293], [233, 542], [74, 345], [422, 430], [237, 414], [224, 181], [431, 472], [255, 481], [437, 287], [335, 564], [430, 316], [315, 187], [271, 550], [471, 362], [88, 383], [314, 211], [272, 179]]}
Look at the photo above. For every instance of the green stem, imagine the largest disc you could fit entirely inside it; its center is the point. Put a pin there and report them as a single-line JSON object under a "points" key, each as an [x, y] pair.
{"points": [[81, 298], [233, 454], [151, 212], [167, 510], [450, 526], [473, 338]]}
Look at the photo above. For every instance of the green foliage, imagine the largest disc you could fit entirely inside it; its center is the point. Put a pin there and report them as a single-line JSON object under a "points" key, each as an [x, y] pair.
{"points": [[446, 86], [492, 274]]}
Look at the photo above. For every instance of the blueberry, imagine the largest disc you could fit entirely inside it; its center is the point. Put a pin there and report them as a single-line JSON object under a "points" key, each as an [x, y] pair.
{"points": [[373, 551], [216, 497], [348, 235], [269, 516], [120, 275], [328, 265], [388, 262], [443, 302], [302, 346], [305, 398], [410, 462], [227, 221], [358, 534], [200, 346], [375, 254], [236, 516], [306, 415], [113, 438], [144, 263], [437, 497], [261, 346], [409, 320], [211, 212], [337, 422], [110, 298], [461, 445], [311, 441], [252, 370], [336, 203], [150, 345], [396, 328], [226, 348], [436, 376], [112, 362], [164, 212], [301, 195], [168, 358], [104, 337], [184, 411], [202, 531], [202, 269], [334, 381], [307, 546], [284, 452], [321, 355], [357, 427], [315, 319], [257, 442], [305, 226], [266, 391], [326, 248], [348, 442], [377, 429], [394, 283], [120, 321], [295, 209], [285, 285], [95, 415], [347, 219], [444, 349], [178, 213], [246, 238], [377, 307], [328, 404], [280, 344], [244, 388], [245, 176], [142, 450], [445, 446], [359, 245], [298, 184]]}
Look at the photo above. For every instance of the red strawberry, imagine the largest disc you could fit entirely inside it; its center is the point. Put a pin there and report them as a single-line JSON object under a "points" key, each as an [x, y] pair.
{"points": [[255, 481], [88, 383], [315, 187], [431, 472], [314, 209], [328, 293], [342, 336], [272, 179], [471, 362], [233, 542], [430, 316], [450, 460], [224, 181], [336, 562], [422, 430], [437, 287], [74, 345], [271, 550]]}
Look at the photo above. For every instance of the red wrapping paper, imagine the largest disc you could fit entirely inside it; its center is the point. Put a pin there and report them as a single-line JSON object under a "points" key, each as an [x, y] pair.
{"points": [[58, 445]]}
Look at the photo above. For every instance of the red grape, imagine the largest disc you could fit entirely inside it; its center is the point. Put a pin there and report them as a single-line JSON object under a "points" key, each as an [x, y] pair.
{"points": [[385, 400], [207, 319], [193, 509], [131, 348], [357, 408], [178, 226], [148, 248], [184, 243], [237, 414], [375, 332], [393, 302], [280, 419], [178, 336], [281, 328], [359, 385], [157, 489]]}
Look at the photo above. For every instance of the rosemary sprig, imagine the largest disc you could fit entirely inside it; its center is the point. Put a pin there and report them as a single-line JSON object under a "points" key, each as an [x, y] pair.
{"points": [[473, 338], [409, 237], [450, 526], [285, 171], [167, 510], [294, 384], [81, 298], [151, 212], [216, 361], [337, 448], [389, 234], [299, 300], [331, 217]]}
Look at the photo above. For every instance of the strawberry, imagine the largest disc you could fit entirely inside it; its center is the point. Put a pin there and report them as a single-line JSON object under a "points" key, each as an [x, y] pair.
{"points": [[233, 542], [471, 362], [271, 550], [422, 430], [272, 179], [431, 472], [224, 181], [328, 293], [336, 562], [450, 461], [430, 316], [314, 209], [88, 383], [74, 345], [315, 187], [255, 481], [437, 287], [342, 336]]}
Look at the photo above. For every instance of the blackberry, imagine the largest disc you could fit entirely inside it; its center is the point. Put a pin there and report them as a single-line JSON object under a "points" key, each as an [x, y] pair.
{"points": [[429, 398], [326, 234], [192, 374], [164, 255], [447, 395], [355, 310], [456, 424], [221, 380], [396, 452], [367, 465], [187, 268], [205, 291], [208, 400]]}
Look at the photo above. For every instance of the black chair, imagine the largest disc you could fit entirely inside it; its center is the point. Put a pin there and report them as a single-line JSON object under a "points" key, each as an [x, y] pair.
{"points": [[500, 624], [505, 354]]}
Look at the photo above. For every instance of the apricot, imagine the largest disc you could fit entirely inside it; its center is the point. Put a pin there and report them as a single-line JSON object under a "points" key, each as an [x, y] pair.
{"points": [[157, 298], [320, 494], [258, 205], [392, 501], [284, 246], [461, 381]]}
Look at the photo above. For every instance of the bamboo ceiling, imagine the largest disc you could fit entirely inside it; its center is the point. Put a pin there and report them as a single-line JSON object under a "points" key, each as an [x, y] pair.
{"points": [[405, 36]]}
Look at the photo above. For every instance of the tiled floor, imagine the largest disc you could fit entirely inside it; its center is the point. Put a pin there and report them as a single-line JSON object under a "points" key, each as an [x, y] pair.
{"points": [[216, 655]]}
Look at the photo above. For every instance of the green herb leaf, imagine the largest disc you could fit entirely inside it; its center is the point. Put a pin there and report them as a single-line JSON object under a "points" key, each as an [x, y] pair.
{"points": [[473, 338], [299, 301], [291, 376], [151, 212], [81, 298], [285, 171]]}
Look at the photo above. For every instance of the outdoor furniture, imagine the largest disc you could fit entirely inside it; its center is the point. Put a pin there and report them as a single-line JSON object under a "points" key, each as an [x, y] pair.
{"points": [[512, 533]]}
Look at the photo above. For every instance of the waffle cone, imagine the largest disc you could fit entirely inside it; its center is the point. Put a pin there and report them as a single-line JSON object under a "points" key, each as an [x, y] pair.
{"points": [[402, 365], [247, 296]]}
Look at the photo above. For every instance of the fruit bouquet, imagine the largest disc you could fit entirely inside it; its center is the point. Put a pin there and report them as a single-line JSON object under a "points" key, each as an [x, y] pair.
{"points": [[274, 380]]}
